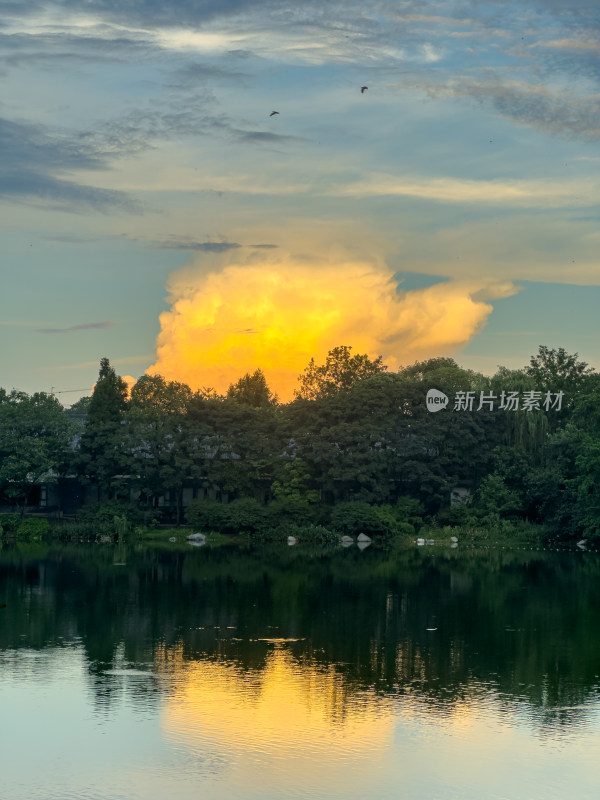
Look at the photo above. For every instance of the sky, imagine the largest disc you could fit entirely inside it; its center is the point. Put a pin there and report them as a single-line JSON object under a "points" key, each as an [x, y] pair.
{"points": [[155, 212]]}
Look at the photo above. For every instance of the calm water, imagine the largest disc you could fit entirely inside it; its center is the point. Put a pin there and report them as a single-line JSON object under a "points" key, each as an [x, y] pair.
{"points": [[181, 672]]}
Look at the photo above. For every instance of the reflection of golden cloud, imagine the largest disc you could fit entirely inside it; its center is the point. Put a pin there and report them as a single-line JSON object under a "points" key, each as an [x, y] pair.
{"points": [[294, 714], [279, 312]]}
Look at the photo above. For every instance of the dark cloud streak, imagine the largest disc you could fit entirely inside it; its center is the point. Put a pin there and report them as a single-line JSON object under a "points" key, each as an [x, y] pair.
{"points": [[205, 247], [209, 247], [83, 327], [34, 163]]}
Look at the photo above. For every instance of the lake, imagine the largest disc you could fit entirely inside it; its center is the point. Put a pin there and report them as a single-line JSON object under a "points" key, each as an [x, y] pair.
{"points": [[169, 671]]}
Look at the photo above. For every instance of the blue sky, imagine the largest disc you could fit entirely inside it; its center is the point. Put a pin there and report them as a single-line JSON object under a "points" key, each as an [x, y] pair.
{"points": [[153, 212]]}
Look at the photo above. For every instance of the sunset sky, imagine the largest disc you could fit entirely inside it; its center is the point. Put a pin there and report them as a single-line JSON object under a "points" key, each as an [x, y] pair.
{"points": [[153, 212]]}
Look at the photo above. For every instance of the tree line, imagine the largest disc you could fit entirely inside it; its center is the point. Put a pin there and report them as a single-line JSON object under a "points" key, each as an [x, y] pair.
{"points": [[358, 446]]}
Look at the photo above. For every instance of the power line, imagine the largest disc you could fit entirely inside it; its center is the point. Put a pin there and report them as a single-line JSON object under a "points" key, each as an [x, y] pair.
{"points": [[66, 391]]}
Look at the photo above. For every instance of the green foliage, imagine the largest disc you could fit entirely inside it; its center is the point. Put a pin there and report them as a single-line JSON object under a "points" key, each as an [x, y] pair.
{"points": [[294, 510], [390, 518], [246, 514], [461, 515], [34, 439], [587, 486], [310, 533], [340, 371], [153, 394], [555, 369], [243, 515], [107, 512], [101, 457], [157, 442], [409, 510], [80, 408], [354, 434], [293, 482], [29, 528], [121, 524], [9, 522], [206, 515], [355, 516], [109, 398], [493, 499]]}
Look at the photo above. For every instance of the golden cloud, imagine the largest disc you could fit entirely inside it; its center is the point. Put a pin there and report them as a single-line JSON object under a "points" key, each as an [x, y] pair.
{"points": [[275, 312]]}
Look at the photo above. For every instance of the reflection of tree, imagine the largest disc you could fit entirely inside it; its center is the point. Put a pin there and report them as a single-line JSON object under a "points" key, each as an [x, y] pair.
{"points": [[444, 627]]}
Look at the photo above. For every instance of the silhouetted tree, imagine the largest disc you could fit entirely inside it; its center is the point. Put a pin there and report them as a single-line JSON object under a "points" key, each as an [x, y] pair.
{"points": [[341, 370], [252, 390]]}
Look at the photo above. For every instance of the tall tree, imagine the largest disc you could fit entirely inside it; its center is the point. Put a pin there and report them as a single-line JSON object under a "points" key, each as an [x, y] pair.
{"points": [[109, 398], [101, 458], [555, 369], [341, 370]]}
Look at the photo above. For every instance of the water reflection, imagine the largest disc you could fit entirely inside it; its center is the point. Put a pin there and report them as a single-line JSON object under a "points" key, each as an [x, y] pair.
{"points": [[294, 716], [287, 673]]}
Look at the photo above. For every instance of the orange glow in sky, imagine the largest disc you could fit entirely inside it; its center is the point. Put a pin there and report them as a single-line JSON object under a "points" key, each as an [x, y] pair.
{"points": [[278, 314]]}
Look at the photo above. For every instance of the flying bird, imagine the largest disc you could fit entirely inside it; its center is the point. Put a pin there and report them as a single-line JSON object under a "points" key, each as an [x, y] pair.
{"points": [[363, 89], [272, 114]]}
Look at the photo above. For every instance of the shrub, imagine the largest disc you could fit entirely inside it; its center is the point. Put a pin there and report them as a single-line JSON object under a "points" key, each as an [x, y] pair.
{"points": [[356, 516], [207, 515], [105, 513], [409, 510], [32, 527], [457, 516], [9, 522], [246, 514], [292, 510], [312, 533]]}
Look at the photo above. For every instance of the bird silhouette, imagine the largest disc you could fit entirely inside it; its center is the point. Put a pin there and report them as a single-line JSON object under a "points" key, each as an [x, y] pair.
{"points": [[363, 89], [272, 114]]}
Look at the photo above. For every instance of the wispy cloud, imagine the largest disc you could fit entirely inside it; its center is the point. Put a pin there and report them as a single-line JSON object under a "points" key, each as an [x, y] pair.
{"points": [[34, 163], [516, 193], [553, 109], [82, 327]]}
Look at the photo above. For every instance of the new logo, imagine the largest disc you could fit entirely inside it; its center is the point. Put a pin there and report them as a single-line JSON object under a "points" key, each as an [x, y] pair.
{"points": [[436, 400]]}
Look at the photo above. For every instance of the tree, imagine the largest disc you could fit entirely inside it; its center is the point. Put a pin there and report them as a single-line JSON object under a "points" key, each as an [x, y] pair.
{"points": [[80, 408], [153, 394], [557, 371], [109, 398], [235, 445], [101, 456], [35, 435], [252, 390], [494, 499], [157, 446], [340, 371]]}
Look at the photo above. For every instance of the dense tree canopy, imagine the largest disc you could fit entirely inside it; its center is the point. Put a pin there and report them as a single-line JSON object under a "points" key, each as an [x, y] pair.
{"points": [[35, 435], [355, 433]]}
